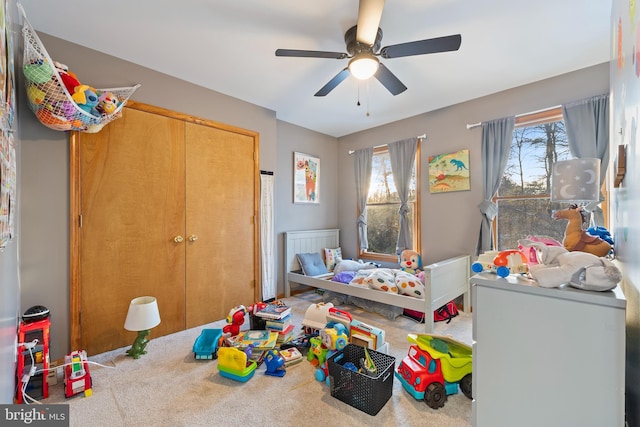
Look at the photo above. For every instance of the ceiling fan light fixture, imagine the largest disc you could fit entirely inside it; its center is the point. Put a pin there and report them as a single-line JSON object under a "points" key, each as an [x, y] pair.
{"points": [[363, 66]]}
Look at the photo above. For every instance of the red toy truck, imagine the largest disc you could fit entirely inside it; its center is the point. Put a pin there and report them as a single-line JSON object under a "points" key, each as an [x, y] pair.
{"points": [[434, 368]]}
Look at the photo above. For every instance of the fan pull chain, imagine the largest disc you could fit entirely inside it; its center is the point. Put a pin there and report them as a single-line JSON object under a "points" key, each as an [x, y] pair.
{"points": [[358, 102], [368, 97]]}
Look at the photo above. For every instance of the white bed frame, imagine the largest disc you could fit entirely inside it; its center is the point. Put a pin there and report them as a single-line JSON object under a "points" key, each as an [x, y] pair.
{"points": [[445, 280]]}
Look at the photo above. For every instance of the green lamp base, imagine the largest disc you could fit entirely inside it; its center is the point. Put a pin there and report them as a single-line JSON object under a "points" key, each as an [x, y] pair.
{"points": [[138, 347]]}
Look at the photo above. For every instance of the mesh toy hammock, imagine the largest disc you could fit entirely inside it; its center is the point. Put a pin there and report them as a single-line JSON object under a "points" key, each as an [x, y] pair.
{"points": [[86, 110]]}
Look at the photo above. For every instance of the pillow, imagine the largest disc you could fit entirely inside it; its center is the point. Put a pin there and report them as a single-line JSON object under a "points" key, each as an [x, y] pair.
{"points": [[409, 285], [382, 279], [331, 256], [312, 264], [344, 277]]}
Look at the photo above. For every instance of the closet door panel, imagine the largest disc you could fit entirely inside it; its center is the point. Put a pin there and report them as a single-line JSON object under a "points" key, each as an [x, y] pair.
{"points": [[132, 206], [220, 211]]}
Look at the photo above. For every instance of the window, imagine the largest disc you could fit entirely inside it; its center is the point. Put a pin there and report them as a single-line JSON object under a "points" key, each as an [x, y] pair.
{"points": [[524, 208], [383, 203]]}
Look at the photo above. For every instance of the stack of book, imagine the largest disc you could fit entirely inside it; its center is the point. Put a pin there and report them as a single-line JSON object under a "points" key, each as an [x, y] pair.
{"points": [[277, 317], [283, 327], [274, 310]]}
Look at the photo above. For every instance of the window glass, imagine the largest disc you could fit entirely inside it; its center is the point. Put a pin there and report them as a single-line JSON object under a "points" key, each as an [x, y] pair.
{"points": [[383, 203], [523, 201]]}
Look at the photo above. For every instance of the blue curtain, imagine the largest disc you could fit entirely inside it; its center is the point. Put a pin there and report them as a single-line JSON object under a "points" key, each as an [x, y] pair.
{"points": [[363, 164], [587, 126], [496, 144], [403, 155]]}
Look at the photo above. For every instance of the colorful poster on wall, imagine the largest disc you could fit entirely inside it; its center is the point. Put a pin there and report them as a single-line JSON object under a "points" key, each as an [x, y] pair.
{"points": [[449, 172], [306, 178], [7, 187], [10, 90]]}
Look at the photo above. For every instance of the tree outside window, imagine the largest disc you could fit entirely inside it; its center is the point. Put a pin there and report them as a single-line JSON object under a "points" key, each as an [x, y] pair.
{"points": [[383, 204], [523, 198]]}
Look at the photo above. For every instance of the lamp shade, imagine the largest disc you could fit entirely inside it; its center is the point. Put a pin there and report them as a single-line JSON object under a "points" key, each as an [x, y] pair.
{"points": [[576, 181], [363, 66], [143, 314]]}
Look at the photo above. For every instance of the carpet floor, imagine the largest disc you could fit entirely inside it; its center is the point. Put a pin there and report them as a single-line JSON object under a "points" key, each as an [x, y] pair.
{"points": [[168, 387]]}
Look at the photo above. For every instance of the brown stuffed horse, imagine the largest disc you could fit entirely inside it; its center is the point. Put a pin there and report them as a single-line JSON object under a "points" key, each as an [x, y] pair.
{"points": [[576, 238]]}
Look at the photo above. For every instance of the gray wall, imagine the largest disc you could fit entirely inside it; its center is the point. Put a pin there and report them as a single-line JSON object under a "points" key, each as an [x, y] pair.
{"points": [[450, 222], [9, 284], [290, 216]]}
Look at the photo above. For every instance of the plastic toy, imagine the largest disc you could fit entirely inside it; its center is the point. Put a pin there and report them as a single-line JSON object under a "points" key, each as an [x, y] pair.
{"points": [[435, 367], [235, 320], [206, 345], [315, 318], [576, 238], [274, 364], [503, 263], [77, 378], [335, 337], [233, 364], [317, 353], [367, 365]]}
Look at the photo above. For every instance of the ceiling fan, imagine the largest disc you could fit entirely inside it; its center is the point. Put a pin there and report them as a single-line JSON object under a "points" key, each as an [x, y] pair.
{"points": [[363, 48]]}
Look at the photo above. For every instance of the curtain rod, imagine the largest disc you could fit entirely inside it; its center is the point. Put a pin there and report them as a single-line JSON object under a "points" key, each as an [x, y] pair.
{"points": [[475, 125], [423, 136]]}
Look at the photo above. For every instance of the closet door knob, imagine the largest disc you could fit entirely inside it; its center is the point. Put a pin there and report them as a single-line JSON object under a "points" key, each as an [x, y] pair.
{"points": [[193, 238], [178, 239]]}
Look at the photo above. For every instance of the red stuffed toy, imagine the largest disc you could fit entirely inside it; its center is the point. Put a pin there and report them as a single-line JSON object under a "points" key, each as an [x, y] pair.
{"points": [[69, 78], [235, 319]]}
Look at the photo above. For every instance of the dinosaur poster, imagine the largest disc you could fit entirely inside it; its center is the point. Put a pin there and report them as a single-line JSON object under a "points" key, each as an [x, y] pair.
{"points": [[306, 179], [449, 172]]}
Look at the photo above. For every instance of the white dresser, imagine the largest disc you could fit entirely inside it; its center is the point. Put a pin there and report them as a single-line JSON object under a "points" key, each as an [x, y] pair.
{"points": [[546, 357]]}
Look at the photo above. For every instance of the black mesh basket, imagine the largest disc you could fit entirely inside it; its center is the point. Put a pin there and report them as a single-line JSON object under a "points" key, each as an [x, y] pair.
{"points": [[364, 392]]}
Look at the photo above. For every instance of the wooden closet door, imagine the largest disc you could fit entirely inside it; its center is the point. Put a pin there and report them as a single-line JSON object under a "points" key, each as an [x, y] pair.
{"points": [[221, 269], [132, 194]]}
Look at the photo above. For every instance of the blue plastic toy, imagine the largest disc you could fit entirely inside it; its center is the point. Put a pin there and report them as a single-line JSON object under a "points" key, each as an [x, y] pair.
{"points": [[274, 364]]}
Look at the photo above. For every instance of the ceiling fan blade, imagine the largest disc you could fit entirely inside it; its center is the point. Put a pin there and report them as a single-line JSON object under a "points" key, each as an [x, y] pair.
{"points": [[333, 83], [369, 15], [389, 80], [421, 47], [310, 54]]}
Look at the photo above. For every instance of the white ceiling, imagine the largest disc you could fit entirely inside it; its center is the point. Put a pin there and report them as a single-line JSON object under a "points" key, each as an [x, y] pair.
{"points": [[229, 46]]}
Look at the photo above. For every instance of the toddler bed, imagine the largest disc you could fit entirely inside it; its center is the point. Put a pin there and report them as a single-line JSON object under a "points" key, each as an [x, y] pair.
{"points": [[444, 280]]}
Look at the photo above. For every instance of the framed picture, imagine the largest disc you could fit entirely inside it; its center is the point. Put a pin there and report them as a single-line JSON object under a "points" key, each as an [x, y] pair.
{"points": [[306, 178], [449, 172]]}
